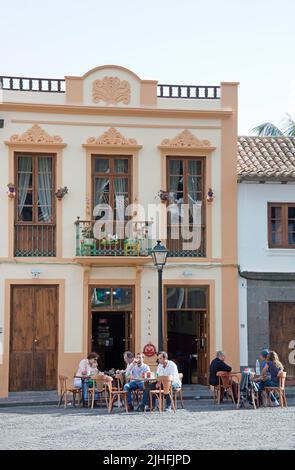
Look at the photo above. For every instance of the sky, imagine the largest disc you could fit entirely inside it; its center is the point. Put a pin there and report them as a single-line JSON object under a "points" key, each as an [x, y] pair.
{"points": [[188, 42]]}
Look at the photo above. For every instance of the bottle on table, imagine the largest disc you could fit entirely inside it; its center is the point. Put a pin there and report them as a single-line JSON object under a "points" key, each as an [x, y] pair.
{"points": [[257, 368]]}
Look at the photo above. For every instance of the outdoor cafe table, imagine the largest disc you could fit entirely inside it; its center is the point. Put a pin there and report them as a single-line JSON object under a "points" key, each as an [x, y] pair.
{"points": [[248, 376], [86, 378], [147, 381]]}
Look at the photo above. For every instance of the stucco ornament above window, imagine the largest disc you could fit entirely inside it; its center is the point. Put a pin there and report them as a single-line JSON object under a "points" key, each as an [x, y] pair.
{"points": [[186, 140], [112, 137], [111, 90], [35, 135]]}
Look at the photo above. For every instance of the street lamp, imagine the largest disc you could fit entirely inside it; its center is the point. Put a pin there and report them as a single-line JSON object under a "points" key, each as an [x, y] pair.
{"points": [[159, 255]]}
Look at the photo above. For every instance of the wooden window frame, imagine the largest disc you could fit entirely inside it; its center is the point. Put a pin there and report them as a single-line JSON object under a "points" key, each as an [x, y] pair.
{"points": [[111, 175], [186, 289], [284, 208], [111, 309], [186, 159], [35, 156]]}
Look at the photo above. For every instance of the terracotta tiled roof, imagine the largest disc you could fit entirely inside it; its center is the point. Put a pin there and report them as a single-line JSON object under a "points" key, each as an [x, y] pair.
{"points": [[266, 158]]}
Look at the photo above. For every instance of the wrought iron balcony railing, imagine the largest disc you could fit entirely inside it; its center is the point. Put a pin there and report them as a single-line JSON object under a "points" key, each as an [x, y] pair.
{"points": [[197, 92], [34, 240], [53, 85], [186, 241], [58, 85], [142, 242], [139, 245]]}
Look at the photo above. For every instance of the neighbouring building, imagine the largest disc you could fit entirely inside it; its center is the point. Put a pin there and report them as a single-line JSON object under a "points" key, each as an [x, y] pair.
{"points": [[108, 137], [266, 248]]}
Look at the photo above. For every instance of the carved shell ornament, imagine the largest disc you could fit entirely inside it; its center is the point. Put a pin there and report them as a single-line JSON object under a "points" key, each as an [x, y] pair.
{"points": [[35, 135], [185, 140], [111, 137], [111, 90]]}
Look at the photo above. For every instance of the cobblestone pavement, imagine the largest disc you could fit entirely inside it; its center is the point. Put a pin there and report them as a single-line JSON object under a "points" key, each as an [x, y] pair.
{"points": [[201, 425]]}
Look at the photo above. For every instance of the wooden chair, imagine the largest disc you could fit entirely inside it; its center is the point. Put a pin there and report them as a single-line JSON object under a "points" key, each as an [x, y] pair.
{"points": [[225, 383], [120, 394], [64, 390], [120, 382], [255, 398], [98, 387], [215, 389], [280, 390], [178, 391], [165, 382], [235, 378]]}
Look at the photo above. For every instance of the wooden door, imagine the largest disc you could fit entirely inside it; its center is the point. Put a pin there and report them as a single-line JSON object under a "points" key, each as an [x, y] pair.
{"points": [[282, 333], [21, 339], [33, 338], [128, 332], [202, 345]]}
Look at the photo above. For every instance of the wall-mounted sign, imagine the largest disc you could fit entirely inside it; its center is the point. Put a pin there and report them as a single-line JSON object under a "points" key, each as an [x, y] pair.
{"points": [[149, 350]]}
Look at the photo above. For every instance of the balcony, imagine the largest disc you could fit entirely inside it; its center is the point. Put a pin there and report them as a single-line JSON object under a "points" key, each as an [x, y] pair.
{"points": [[179, 241], [133, 250], [34, 240], [136, 249]]}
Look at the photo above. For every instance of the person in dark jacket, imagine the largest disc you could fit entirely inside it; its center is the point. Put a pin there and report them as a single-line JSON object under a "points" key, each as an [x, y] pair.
{"points": [[219, 365]]}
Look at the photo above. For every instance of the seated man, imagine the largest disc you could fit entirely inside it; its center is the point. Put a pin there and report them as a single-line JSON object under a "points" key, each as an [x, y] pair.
{"points": [[128, 357], [263, 358], [165, 367], [136, 372], [219, 365]]}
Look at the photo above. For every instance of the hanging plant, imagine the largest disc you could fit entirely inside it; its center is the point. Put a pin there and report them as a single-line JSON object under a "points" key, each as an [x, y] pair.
{"points": [[210, 195], [61, 192], [11, 190], [163, 195]]}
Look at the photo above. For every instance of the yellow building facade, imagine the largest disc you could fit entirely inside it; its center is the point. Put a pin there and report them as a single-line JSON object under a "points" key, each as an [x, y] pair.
{"points": [[112, 138]]}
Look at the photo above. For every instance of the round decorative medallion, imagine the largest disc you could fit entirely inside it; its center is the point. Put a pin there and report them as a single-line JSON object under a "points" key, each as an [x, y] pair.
{"points": [[149, 350]]}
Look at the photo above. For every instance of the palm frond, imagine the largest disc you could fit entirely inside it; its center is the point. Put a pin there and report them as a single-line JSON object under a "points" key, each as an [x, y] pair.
{"points": [[289, 125], [267, 129]]}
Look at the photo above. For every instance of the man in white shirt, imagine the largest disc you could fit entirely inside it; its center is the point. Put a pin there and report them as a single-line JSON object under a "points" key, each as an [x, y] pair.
{"points": [[167, 367], [128, 357]]}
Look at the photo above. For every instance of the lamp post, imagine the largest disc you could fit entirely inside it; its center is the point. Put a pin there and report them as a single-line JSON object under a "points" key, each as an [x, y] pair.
{"points": [[159, 254]]}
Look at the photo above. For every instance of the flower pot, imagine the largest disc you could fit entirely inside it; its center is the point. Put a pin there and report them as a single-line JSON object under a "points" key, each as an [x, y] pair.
{"points": [[89, 241]]}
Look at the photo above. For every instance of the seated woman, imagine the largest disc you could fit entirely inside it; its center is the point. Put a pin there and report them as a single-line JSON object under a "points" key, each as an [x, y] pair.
{"points": [[269, 376], [87, 367]]}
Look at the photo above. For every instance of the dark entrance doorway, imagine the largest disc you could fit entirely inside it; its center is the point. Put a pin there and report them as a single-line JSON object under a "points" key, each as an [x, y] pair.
{"points": [[111, 325], [187, 329], [109, 338]]}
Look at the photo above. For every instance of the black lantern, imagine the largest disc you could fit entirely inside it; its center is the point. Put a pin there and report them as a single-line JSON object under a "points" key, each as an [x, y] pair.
{"points": [[159, 254]]}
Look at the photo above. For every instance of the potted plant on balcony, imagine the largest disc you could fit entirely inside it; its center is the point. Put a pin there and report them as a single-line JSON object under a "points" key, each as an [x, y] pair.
{"points": [[88, 235], [110, 240]]}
